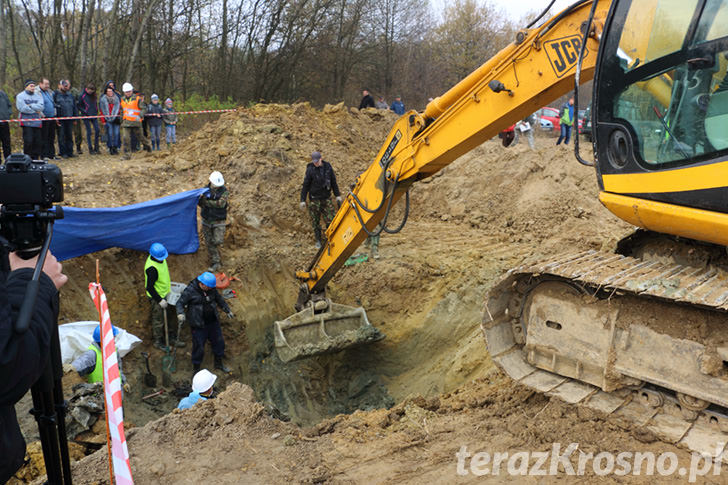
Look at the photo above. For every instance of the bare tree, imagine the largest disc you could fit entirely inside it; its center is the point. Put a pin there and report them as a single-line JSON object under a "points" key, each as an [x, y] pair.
{"points": [[138, 39], [394, 23], [13, 38], [470, 33], [3, 45], [252, 50], [86, 21]]}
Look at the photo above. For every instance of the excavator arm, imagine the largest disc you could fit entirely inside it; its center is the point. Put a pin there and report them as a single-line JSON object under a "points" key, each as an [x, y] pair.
{"points": [[536, 69], [528, 74]]}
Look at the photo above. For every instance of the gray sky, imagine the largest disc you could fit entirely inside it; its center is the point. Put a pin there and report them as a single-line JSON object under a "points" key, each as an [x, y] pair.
{"points": [[515, 9]]}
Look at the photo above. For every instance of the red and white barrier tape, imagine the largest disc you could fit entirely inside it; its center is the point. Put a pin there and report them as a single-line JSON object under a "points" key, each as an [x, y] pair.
{"points": [[18, 120], [112, 390]]}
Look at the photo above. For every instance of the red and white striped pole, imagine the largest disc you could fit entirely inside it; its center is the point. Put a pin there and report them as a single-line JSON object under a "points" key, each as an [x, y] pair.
{"points": [[119, 453]]}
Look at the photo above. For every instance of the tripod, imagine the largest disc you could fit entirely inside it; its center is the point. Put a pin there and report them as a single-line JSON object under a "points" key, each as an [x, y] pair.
{"points": [[49, 409]]}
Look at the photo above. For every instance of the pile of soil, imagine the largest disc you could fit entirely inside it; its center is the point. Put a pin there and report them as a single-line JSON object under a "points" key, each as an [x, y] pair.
{"points": [[489, 210], [230, 439], [486, 213]]}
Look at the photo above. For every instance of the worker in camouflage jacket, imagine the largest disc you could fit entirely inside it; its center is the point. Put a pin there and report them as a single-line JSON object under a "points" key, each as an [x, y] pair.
{"points": [[214, 207]]}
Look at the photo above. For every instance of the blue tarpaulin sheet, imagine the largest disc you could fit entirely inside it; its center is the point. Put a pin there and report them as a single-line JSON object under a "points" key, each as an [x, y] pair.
{"points": [[171, 220]]}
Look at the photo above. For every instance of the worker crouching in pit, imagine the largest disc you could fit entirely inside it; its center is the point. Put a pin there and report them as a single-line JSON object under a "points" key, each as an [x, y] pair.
{"points": [[202, 389], [90, 364], [198, 306]]}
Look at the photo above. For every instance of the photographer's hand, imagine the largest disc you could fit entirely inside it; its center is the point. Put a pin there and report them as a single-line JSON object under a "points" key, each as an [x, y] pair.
{"points": [[51, 267]]}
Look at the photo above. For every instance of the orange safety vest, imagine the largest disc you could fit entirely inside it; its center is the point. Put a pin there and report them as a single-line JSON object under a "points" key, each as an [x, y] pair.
{"points": [[131, 109]]}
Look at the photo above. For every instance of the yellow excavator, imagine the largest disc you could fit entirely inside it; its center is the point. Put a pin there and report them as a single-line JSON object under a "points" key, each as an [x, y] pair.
{"points": [[639, 333]]}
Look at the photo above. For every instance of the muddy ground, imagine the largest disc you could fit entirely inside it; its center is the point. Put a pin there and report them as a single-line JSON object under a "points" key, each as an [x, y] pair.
{"points": [[417, 396]]}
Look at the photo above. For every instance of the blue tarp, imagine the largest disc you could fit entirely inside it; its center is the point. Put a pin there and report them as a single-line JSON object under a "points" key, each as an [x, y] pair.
{"points": [[171, 220]]}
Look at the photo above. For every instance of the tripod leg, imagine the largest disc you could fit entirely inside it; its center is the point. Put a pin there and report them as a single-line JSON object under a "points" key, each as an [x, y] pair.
{"points": [[45, 414], [60, 404]]}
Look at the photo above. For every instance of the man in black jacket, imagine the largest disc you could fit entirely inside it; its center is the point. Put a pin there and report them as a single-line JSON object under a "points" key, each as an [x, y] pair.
{"points": [[318, 183], [6, 112], [366, 101], [65, 106], [23, 356], [200, 300]]}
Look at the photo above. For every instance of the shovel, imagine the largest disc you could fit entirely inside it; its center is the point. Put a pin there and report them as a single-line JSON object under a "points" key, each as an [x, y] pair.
{"points": [[171, 365], [166, 378], [150, 380]]}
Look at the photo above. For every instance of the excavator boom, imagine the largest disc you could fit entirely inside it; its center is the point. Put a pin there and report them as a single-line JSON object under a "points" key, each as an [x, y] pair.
{"points": [[528, 74], [536, 69]]}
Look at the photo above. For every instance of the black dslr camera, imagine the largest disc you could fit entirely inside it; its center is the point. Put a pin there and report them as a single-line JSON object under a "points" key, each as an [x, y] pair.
{"points": [[28, 190]]}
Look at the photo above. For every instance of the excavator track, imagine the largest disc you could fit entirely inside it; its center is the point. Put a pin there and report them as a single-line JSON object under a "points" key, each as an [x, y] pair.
{"points": [[638, 340]]}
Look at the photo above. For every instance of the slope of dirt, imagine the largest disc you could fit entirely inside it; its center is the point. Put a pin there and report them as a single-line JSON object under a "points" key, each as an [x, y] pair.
{"points": [[230, 439], [486, 213]]}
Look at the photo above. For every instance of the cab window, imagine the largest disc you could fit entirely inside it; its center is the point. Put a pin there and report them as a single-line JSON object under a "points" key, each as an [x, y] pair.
{"points": [[676, 96]]}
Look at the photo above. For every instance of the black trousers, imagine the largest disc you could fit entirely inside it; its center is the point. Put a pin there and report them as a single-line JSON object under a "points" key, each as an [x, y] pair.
{"points": [[33, 142], [5, 139], [200, 336], [49, 139], [65, 138]]}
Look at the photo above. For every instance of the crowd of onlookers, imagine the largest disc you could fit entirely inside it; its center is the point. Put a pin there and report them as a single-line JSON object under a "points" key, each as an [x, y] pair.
{"points": [[108, 112], [367, 101]]}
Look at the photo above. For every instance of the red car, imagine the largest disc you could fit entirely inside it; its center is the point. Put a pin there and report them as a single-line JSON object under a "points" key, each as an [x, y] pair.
{"points": [[549, 119]]}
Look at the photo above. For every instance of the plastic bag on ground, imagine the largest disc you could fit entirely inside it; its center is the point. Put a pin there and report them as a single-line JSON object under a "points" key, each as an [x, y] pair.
{"points": [[77, 336]]}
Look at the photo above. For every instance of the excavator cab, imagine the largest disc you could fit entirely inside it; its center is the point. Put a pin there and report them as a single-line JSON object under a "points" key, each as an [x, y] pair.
{"points": [[661, 116]]}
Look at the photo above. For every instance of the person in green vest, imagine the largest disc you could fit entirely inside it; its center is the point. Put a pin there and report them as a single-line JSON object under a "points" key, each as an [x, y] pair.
{"points": [[158, 284], [566, 121], [90, 363]]}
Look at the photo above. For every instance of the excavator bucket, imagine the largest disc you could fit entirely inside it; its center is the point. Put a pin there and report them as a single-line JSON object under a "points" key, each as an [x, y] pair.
{"points": [[308, 333]]}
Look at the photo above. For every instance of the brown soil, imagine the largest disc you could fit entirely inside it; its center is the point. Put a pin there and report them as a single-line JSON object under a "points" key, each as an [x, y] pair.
{"points": [[231, 440], [489, 211]]}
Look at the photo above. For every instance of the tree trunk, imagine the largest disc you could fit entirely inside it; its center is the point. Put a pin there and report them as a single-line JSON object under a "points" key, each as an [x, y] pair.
{"points": [[138, 40], [11, 19], [87, 18], [222, 54], [107, 41], [3, 46]]}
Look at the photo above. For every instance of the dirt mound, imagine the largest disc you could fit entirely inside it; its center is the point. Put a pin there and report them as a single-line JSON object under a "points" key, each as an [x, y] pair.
{"points": [[262, 151], [230, 439], [166, 449], [486, 213], [541, 197]]}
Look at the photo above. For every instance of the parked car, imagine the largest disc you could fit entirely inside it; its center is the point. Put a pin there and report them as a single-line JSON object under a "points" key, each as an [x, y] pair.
{"points": [[586, 128], [549, 118]]}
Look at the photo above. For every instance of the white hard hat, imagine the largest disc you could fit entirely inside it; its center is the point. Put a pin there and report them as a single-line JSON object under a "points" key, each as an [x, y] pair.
{"points": [[203, 380], [216, 179], [127, 87]]}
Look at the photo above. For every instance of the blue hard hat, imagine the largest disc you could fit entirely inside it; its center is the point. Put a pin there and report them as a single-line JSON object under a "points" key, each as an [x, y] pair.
{"points": [[158, 251], [97, 333], [207, 279]]}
